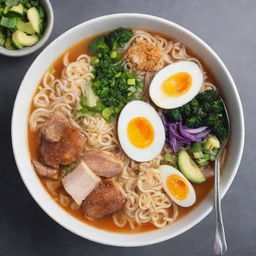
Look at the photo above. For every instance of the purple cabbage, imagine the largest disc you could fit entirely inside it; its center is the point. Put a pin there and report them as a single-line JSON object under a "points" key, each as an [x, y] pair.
{"points": [[178, 135]]}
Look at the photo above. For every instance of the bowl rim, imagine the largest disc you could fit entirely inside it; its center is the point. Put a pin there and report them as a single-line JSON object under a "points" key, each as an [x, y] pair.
{"points": [[229, 181], [30, 49]]}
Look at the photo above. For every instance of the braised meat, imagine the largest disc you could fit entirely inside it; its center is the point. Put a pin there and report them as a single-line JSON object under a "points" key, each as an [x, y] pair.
{"points": [[52, 131], [45, 171], [80, 182], [106, 199], [61, 144], [103, 163]]}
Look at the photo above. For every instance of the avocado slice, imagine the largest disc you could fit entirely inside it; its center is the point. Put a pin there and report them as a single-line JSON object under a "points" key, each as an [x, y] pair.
{"points": [[34, 18], [17, 9], [189, 168], [25, 27], [23, 39]]}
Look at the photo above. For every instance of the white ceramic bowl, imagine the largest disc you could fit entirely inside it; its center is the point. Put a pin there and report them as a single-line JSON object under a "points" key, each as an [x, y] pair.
{"points": [[58, 46], [28, 50]]}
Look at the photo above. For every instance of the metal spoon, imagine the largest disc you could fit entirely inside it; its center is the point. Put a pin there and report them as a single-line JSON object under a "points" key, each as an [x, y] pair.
{"points": [[220, 245]]}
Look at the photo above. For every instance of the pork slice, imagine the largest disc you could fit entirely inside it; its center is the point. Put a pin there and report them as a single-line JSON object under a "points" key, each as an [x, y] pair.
{"points": [[80, 182], [64, 151], [208, 172], [45, 171], [53, 129], [107, 198], [103, 163]]}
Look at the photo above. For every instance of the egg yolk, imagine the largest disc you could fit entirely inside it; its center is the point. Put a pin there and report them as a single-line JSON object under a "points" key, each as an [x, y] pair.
{"points": [[177, 84], [177, 186], [140, 132]]}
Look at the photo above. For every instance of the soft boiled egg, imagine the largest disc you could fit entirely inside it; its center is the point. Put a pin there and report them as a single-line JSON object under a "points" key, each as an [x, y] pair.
{"points": [[176, 84], [140, 131], [177, 187]]}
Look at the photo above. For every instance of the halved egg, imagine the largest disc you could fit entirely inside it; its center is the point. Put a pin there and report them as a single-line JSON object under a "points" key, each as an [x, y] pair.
{"points": [[176, 84], [177, 187], [140, 131]]}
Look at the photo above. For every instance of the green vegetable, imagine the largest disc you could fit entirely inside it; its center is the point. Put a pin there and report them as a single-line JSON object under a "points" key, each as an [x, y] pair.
{"points": [[131, 81], [107, 114], [23, 39], [94, 60], [34, 18], [206, 150], [211, 142], [114, 85], [25, 27], [91, 97], [189, 168], [206, 109], [113, 54], [17, 9], [11, 2], [8, 44], [2, 38], [98, 44], [15, 43], [169, 159], [203, 162], [8, 22], [118, 38], [197, 150]]}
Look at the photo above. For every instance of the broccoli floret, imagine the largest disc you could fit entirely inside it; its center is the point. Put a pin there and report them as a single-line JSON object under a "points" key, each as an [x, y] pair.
{"points": [[98, 44], [217, 106], [173, 115], [118, 38], [220, 129], [207, 96], [193, 122]]}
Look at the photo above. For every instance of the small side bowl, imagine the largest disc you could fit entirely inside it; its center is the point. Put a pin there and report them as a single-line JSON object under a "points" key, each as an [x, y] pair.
{"points": [[30, 49]]}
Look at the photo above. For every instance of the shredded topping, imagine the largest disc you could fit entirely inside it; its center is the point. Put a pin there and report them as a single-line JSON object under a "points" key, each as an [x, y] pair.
{"points": [[144, 56]]}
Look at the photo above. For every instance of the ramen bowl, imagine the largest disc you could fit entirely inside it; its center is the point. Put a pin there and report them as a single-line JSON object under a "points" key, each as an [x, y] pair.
{"points": [[97, 26]]}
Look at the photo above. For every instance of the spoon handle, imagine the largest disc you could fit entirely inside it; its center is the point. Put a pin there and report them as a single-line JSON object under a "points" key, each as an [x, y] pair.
{"points": [[220, 245]]}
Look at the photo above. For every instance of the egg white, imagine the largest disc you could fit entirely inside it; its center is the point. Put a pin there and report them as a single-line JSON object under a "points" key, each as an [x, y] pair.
{"points": [[165, 101], [132, 110], [166, 171]]}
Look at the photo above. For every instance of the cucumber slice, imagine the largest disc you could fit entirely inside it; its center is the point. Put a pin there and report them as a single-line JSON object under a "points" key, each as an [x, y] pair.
{"points": [[34, 18], [17, 9], [189, 168], [2, 38], [8, 44], [23, 39], [15, 43], [25, 27]]}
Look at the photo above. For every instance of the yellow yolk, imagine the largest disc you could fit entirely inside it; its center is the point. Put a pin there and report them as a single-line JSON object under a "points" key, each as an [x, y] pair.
{"points": [[140, 132], [177, 84], [177, 186]]}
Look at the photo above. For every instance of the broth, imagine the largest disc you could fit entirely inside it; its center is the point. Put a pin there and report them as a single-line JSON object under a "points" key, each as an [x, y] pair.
{"points": [[105, 223]]}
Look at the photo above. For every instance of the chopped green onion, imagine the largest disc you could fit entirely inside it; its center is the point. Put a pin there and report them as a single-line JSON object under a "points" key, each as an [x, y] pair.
{"points": [[94, 60], [131, 81], [113, 54], [106, 114], [118, 75]]}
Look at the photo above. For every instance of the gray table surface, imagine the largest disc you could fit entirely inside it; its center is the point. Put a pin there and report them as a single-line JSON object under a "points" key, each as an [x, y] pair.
{"points": [[228, 26]]}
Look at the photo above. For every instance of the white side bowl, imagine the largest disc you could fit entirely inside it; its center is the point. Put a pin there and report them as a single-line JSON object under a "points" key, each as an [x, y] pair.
{"points": [[48, 30], [58, 46]]}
